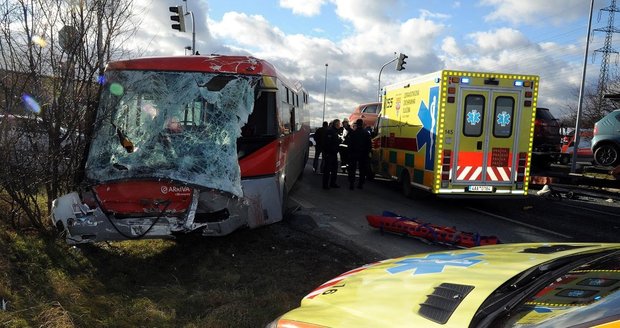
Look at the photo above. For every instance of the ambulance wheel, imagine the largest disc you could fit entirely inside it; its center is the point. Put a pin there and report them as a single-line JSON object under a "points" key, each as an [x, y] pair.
{"points": [[405, 183]]}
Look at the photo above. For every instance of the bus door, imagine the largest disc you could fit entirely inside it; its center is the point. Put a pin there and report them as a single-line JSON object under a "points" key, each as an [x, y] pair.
{"points": [[486, 139]]}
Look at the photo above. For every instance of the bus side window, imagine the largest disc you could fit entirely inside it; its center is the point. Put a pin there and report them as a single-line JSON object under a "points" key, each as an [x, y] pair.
{"points": [[293, 120], [262, 120], [285, 118], [262, 125]]}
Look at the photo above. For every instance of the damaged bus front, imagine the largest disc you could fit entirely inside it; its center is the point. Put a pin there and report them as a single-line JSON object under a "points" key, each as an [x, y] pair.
{"points": [[186, 144]]}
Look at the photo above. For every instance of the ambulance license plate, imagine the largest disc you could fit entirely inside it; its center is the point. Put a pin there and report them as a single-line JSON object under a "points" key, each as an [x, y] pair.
{"points": [[480, 188]]}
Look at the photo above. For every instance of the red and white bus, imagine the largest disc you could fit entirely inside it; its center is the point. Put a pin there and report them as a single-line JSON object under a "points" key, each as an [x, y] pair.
{"points": [[183, 144]]}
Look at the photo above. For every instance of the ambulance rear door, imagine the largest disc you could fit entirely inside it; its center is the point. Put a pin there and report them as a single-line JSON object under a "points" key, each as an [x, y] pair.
{"points": [[487, 139]]}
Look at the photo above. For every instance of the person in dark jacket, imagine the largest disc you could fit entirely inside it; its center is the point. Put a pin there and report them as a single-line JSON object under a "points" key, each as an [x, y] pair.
{"points": [[331, 142], [360, 146], [319, 134]]}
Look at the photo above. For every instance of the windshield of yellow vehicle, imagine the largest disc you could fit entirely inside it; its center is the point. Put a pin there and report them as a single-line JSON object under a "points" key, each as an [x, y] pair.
{"points": [[586, 294], [174, 125]]}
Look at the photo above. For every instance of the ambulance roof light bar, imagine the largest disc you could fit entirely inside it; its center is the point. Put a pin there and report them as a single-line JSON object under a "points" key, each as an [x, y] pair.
{"points": [[518, 83], [465, 80]]}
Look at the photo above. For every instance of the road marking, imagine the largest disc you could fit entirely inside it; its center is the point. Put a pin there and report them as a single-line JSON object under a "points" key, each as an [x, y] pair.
{"points": [[344, 228], [303, 204], [592, 210], [518, 222]]}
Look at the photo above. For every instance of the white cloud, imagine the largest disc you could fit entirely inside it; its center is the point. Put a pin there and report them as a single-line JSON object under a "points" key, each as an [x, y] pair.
{"points": [[510, 51], [365, 14], [536, 11], [155, 35], [431, 15], [373, 33], [354, 61], [450, 48], [304, 8], [254, 31], [503, 38]]}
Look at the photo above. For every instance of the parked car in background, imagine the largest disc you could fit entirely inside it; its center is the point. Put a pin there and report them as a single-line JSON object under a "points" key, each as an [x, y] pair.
{"points": [[368, 113], [25, 142], [23, 137], [547, 136], [584, 151], [606, 140], [509, 285], [547, 139]]}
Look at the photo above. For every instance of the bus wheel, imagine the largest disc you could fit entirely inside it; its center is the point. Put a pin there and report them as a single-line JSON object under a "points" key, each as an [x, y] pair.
{"points": [[405, 183]]}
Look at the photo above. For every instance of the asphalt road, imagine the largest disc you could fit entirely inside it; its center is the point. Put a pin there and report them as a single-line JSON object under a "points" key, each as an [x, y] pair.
{"points": [[529, 219]]}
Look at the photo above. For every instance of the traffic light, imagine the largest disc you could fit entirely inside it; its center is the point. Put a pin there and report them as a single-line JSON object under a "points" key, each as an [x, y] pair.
{"points": [[179, 17], [400, 65]]}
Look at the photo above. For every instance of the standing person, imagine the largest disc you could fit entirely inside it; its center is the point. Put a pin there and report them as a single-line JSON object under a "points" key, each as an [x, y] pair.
{"points": [[344, 152], [360, 147], [331, 142], [319, 134]]}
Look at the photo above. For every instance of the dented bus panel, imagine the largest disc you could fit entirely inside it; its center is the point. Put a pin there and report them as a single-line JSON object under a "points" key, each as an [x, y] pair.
{"points": [[183, 144]]}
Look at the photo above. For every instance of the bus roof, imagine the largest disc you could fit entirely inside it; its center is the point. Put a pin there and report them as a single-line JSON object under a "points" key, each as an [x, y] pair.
{"points": [[219, 64]]}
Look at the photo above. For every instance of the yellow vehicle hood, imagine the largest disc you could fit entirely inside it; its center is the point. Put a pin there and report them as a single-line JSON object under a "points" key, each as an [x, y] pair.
{"points": [[389, 293]]}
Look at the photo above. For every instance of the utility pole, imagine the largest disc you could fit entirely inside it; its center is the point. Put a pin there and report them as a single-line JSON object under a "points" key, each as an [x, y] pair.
{"points": [[324, 93]]}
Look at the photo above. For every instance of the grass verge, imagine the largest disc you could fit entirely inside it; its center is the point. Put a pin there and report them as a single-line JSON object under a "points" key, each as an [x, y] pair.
{"points": [[246, 279]]}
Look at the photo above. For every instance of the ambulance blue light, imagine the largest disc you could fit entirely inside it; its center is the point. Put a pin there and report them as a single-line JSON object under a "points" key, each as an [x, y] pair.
{"points": [[465, 80], [518, 83]]}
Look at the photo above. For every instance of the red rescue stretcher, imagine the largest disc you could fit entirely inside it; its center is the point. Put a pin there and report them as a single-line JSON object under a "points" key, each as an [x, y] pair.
{"points": [[394, 223]]}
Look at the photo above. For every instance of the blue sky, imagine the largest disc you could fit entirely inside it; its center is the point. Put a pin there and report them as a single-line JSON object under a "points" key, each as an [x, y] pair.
{"points": [[356, 37]]}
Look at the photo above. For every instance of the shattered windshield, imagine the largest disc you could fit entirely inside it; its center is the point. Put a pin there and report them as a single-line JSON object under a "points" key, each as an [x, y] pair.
{"points": [[177, 125]]}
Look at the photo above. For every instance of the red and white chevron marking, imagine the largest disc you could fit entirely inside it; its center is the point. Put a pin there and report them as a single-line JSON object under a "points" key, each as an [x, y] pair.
{"points": [[498, 173], [469, 173], [474, 173]]}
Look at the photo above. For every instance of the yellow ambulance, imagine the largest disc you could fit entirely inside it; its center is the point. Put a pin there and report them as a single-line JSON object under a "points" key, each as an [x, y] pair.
{"points": [[458, 133], [509, 285]]}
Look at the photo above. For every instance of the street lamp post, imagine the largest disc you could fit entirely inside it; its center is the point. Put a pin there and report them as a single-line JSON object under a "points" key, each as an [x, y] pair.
{"points": [[324, 93], [194, 52], [380, 71], [573, 164]]}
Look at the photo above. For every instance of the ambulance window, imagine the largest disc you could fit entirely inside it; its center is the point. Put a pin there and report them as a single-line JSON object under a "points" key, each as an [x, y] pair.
{"points": [[474, 115], [504, 110]]}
